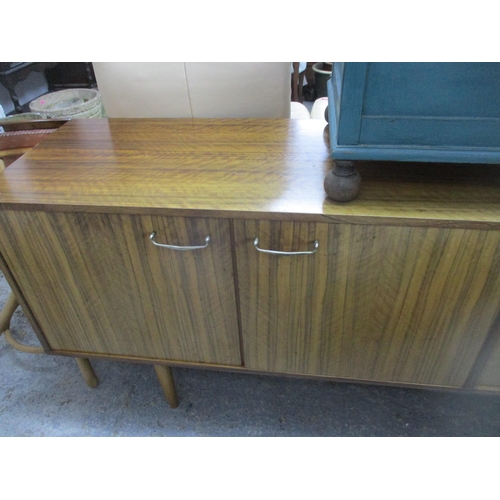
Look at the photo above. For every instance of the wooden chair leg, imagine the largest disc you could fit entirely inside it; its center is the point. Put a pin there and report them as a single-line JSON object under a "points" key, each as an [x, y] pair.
{"points": [[7, 312], [6, 315], [166, 379], [87, 372]]}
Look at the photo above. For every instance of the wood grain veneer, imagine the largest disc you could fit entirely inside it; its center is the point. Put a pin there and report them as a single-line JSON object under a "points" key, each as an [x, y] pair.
{"points": [[266, 169], [97, 284], [405, 287], [400, 304]]}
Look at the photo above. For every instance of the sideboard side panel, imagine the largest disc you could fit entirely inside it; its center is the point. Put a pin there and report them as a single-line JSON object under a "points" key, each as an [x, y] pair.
{"points": [[24, 305], [489, 378]]}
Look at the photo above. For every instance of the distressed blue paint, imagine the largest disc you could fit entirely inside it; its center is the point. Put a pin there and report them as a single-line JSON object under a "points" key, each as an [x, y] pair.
{"points": [[351, 106], [437, 132], [333, 117], [433, 89], [443, 112], [401, 153], [336, 86]]}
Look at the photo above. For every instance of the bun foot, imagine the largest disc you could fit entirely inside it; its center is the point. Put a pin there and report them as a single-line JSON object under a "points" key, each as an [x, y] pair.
{"points": [[343, 182]]}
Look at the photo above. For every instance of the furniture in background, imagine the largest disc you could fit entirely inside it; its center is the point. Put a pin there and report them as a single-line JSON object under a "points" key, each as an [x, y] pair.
{"points": [[194, 90], [70, 75], [12, 73], [298, 73], [433, 112], [211, 244], [18, 138], [298, 111], [322, 74], [310, 73]]}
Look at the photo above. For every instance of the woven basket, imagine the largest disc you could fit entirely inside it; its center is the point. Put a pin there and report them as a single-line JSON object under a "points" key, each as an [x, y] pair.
{"points": [[70, 103]]}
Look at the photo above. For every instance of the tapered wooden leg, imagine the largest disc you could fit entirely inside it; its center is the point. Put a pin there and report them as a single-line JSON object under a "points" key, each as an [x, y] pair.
{"points": [[164, 374], [87, 372]]}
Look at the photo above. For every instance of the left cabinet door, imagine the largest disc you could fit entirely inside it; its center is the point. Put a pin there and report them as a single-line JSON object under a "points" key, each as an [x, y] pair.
{"points": [[96, 283]]}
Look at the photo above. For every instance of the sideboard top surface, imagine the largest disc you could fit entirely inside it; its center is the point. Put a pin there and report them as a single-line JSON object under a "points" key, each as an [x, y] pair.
{"points": [[252, 168]]}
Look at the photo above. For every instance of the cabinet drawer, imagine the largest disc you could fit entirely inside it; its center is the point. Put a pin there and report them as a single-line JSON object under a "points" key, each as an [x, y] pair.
{"points": [[97, 284], [394, 304]]}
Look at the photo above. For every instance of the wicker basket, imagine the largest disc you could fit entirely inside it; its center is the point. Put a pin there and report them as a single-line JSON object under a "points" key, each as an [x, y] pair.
{"points": [[70, 103]]}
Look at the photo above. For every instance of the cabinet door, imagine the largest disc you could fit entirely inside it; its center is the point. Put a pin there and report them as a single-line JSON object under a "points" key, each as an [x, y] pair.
{"points": [[97, 284], [395, 304]]}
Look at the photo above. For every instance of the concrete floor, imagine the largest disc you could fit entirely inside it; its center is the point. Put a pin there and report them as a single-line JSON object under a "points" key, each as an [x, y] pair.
{"points": [[45, 396]]}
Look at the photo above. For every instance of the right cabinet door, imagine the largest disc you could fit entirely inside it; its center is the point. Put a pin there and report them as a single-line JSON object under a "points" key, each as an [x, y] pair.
{"points": [[383, 303]]}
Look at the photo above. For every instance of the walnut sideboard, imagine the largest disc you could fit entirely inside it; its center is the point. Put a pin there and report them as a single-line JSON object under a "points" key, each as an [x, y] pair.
{"points": [[212, 244]]}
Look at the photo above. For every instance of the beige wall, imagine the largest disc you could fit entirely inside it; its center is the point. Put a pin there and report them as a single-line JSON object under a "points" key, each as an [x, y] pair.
{"points": [[194, 90]]}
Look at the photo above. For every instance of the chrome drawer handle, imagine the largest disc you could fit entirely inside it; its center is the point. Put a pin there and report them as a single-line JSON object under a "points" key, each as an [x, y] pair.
{"points": [[277, 252], [174, 247]]}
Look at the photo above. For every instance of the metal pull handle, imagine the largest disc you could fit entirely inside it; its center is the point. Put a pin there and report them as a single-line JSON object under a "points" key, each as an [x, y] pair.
{"points": [[277, 252], [174, 247]]}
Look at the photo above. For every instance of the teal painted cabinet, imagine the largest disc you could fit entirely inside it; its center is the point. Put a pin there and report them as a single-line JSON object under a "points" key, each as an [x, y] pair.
{"points": [[437, 112]]}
